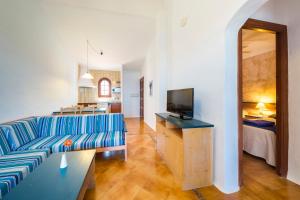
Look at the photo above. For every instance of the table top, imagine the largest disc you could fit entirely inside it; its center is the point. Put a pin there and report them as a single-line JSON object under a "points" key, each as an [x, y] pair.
{"points": [[49, 182], [185, 124]]}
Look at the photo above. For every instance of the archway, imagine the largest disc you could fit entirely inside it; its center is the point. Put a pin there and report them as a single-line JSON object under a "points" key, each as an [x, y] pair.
{"points": [[231, 78], [281, 75]]}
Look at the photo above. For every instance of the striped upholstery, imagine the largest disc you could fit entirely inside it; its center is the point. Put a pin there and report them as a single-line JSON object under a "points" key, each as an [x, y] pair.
{"points": [[10, 177], [20, 132], [49, 132], [80, 142], [92, 141], [42, 153], [14, 167], [75, 125], [45, 143], [4, 146], [25, 144], [59, 125]]}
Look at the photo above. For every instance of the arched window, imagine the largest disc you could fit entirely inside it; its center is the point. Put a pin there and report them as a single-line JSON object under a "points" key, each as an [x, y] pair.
{"points": [[104, 87]]}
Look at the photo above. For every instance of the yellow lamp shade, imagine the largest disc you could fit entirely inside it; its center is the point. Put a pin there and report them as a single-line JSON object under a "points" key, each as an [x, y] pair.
{"points": [[87, 76], [261, 105]]}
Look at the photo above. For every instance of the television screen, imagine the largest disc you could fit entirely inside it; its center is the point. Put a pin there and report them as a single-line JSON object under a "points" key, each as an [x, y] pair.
{"points": [[181, 102]]}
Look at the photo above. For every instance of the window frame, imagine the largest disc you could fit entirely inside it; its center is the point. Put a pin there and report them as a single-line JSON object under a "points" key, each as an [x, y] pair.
{"points": [[99, 87]]}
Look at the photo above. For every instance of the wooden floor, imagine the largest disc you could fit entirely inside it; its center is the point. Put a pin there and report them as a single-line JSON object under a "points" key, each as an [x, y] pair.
{"points": [[260, 183], [144, 176]]}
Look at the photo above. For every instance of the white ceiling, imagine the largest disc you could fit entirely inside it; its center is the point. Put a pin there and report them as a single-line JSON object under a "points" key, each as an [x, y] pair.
{"points": [[122, 29], [257, 42], [146, 8]]}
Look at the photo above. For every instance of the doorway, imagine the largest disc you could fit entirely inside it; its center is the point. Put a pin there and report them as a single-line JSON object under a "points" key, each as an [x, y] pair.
{"points": [[281, 97], [142, 97]]}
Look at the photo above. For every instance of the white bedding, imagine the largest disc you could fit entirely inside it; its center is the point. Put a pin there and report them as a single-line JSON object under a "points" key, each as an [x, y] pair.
{"points": [[261, 143]]}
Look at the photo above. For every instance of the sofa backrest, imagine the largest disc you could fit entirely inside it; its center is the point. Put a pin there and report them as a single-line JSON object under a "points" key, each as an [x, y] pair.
{"points": [[79, 124], [20, 132], [4, 146]]}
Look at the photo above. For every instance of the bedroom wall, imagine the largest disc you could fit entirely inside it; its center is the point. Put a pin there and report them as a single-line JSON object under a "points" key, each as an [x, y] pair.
{"points": [[38, 76], [287, 12], [259, 78]]}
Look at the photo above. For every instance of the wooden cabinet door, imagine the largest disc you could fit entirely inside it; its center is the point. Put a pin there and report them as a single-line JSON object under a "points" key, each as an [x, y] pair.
{"points": [[178, 157], [174, 154], [160, 138], [161, 144], [115, 108], [169, 150]]}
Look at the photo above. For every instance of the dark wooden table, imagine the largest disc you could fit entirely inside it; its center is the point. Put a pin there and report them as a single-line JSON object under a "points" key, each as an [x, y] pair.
{"points": [[49, 182]]}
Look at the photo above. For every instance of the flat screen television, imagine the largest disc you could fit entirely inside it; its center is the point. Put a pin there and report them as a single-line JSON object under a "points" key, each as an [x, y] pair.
{"points": [[181, 102]]}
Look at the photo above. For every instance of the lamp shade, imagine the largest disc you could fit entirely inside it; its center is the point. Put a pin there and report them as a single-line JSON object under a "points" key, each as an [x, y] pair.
{"points": [[261, 105], [87, 75], [86, 83]]}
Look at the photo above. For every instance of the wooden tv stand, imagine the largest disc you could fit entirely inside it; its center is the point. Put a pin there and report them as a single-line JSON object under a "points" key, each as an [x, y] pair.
{"points": [[186, 148]]}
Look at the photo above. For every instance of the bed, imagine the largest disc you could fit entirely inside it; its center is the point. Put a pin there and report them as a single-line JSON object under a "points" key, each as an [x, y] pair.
{"points": [[260, 139]]}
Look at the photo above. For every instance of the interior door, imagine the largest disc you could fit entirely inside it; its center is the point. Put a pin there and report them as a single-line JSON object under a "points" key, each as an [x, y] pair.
{"points": [[142, 97]]}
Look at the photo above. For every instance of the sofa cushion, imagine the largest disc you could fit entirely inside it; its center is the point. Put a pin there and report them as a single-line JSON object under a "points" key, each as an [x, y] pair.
{"points": [[44, 143], [92, 141], [32, 158], [20, 132], [4, 146], [40, 154], [80, 142], [10, 177], [15, 166], [106, 139], [83, 124]]}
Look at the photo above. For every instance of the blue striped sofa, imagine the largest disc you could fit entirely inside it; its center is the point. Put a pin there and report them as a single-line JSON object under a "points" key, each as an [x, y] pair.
{"points": [[25, 144]]}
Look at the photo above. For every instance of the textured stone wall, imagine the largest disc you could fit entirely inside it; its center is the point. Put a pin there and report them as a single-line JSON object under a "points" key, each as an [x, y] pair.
{"points": [[259, 78], [90, 95]]}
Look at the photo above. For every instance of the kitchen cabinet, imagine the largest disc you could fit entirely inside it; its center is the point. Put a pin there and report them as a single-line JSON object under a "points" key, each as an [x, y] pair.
{"points": [[116, 107]]}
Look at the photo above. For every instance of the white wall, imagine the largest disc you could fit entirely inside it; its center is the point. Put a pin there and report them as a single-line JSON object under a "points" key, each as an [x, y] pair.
{"points": [[37, 75], [198, 62], [287, 12], [196, 58], [43, 41], [155, 69], [150, 102], [131, 92]]}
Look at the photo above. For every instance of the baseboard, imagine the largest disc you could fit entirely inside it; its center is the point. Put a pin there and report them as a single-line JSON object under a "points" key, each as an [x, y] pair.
{"points": [[294, 180]]}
